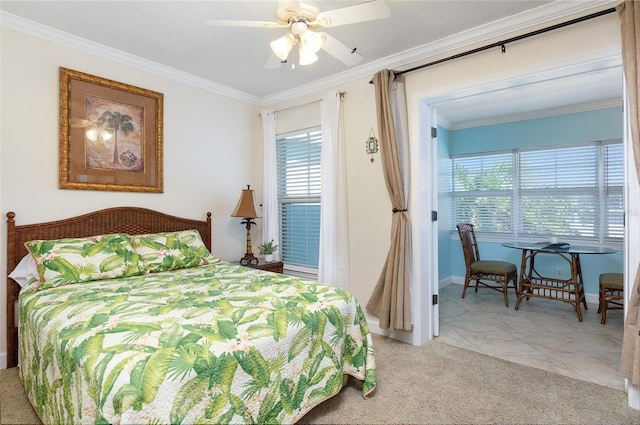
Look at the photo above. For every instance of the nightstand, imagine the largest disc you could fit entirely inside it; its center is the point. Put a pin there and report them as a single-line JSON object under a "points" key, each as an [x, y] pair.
{"points": [[275, 266]]}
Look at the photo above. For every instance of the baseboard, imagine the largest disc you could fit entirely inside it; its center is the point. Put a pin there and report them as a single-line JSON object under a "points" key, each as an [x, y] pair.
{"points": [[459, 280], [451, 280], [633, 392], [402, 336], [3, 360], [592, 298]]}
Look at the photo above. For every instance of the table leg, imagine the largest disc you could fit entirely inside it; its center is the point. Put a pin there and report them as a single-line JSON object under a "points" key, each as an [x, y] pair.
{"points": [[582, 295], [576, 277], [525, 277], [569, 290]]}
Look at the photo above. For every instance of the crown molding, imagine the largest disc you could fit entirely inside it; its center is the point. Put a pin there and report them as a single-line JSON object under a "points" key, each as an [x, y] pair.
{"points": [[555, 11], [598, 60], [552, 12], [594, 106], [17, 23], [541, 16]]}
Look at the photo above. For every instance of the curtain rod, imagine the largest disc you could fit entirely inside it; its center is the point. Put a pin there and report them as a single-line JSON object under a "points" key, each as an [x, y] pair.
{"points": [[509, 40]]}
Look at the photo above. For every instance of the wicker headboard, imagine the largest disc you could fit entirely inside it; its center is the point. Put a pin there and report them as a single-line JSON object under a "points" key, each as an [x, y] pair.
{"points": [[131, 220]]}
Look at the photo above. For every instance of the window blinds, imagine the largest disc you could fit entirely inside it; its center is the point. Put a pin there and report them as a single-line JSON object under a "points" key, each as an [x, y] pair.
{"points": [[483, 192], [559, 192], [299, 184], [574, 192]]}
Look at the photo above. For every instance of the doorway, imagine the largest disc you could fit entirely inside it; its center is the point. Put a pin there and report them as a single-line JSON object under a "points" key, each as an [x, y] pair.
{"points": [[503, 102], [549, 93]]}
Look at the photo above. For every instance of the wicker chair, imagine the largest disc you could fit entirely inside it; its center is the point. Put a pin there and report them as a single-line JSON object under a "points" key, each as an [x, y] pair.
{"points": [[611, 294], [487, 273]]}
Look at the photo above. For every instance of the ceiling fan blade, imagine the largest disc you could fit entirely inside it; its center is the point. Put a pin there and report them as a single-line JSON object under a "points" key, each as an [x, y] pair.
{"points": [[370, 11], [231, 23], [339, 51], [273, 62]]}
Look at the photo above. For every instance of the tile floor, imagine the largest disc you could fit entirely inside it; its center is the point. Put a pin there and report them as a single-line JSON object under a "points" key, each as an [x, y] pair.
{"points": [[544, 334]]}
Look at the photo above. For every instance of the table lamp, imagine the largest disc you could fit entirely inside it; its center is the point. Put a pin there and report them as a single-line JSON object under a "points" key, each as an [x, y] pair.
{"points": [[247, 209]]}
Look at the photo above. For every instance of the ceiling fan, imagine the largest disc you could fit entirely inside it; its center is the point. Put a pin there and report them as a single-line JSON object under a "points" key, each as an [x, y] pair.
{"points": [[301, 20]]}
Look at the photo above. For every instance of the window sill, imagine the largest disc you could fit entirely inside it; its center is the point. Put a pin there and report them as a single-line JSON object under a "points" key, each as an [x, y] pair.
{"points": [[301, 272], [492, 238]]}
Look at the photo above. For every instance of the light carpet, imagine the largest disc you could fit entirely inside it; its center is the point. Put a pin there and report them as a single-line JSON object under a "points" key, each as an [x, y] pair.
{"points": [[434, 384]]}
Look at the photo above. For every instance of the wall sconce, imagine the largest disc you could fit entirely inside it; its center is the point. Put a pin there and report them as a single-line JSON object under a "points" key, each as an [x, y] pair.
{"points": [[248, 210], [371, 144]]}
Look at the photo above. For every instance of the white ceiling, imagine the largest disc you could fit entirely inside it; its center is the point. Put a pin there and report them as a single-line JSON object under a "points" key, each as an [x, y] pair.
{"points": [[173, 34], [561, 94]]}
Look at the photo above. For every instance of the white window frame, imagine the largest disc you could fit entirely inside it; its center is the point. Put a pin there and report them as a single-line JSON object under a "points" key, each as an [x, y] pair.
{"points": [[312, 188], [608, 231]]}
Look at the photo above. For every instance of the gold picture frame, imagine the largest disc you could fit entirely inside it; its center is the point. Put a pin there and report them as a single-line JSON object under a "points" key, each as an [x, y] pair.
{"points": [[110, 135]]}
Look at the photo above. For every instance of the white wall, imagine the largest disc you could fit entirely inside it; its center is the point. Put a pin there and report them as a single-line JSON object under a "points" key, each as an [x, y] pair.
{"points": [[207, 147]]}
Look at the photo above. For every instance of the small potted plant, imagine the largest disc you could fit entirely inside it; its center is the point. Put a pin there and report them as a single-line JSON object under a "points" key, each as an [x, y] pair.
{"points": [[267, 249]]}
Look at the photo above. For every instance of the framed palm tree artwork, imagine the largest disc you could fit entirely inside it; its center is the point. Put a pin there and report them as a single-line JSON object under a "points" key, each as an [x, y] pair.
{"points": [[110, 135]]}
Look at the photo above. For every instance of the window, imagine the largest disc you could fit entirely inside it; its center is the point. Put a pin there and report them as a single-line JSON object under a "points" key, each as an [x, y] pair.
{"points": [[298, 171], [575, 192], [483, 192]]}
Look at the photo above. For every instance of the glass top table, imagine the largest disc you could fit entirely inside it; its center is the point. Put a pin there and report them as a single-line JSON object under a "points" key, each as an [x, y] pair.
{"points": [[559, 248], [534, 285]]}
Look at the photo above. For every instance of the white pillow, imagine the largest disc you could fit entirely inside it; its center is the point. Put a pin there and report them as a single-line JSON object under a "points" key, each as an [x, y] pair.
{"points": [[25, 271]]}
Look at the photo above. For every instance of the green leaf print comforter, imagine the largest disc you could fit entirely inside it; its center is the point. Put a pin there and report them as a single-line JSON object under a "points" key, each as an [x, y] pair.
{"points": [[219, 343]]}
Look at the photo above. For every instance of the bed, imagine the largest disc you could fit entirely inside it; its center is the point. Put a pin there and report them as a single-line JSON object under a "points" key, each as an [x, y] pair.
{"points": [[161, 331]]}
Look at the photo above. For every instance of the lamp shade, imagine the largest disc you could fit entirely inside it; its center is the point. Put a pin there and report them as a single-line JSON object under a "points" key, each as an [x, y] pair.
{"points": [[306, 58], [246, 207], [310, 41], [282, 46]]}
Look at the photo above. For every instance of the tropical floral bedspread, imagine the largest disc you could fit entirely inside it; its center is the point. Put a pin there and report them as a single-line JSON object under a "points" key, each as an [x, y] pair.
{"points": [[218, 343]]}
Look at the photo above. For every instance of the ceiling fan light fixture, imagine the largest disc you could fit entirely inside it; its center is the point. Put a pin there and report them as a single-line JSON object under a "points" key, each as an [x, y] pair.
{"points": [[302, 19], [306, 57], [283, 45], [310, 42], [299, 26]]}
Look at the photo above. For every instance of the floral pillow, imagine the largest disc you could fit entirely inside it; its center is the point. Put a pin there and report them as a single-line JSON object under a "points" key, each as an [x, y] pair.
{"points": [[65, 261], [171, 250]]}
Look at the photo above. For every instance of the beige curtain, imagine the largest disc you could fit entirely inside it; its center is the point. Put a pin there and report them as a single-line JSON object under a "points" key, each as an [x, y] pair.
{"points": [[629, 13], [390, 299]]}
